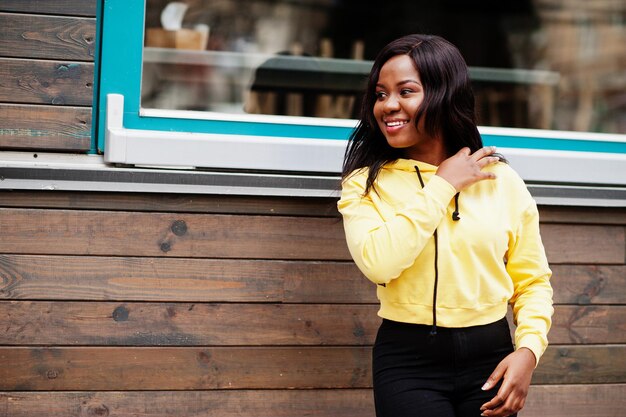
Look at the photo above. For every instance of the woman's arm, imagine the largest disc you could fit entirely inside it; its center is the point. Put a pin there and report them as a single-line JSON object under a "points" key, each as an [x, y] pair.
{"points": [[532, 310], [383, 248]]}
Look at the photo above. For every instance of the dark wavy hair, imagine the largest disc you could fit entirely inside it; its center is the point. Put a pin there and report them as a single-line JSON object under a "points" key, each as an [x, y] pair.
{"points": [[447, 109]]}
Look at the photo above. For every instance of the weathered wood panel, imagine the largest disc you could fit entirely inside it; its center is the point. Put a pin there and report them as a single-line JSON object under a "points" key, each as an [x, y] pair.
{"points": [[543, 400], [589, 284], [588, 325], [171, 279], [582, 215], [245, 403], [231, 204], [575, 401], [45, 127], [46, 82], [188, 235], [183, 368], [584, 244], [176, 203], [183, 324], [591, 364], [191, 368], [61, 7], [208, 280], [196, 235], [48, 37]]}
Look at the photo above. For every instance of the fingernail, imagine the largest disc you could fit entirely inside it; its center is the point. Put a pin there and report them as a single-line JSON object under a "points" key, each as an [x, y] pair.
{"points": [[493, 148], [485, 387]]}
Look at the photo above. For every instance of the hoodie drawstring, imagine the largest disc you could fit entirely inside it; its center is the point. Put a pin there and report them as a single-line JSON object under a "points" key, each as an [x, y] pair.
{"points": [[455, 217], [455, 213]]}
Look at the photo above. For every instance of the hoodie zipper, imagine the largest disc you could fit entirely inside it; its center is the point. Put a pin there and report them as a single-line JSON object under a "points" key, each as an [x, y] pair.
{"points": [[433, 331], [455, 217]]}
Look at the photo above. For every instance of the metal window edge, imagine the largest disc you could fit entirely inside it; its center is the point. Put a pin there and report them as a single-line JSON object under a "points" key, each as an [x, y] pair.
{"points": [[28, 171]]}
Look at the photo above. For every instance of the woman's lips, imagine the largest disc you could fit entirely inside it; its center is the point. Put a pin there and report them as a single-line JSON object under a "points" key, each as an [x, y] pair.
{"points": [[395, 125]]}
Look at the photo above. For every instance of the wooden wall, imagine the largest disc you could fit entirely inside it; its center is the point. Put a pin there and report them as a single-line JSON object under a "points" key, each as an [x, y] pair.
{"points": [[161, 305], [46, 74], [115, 304]]}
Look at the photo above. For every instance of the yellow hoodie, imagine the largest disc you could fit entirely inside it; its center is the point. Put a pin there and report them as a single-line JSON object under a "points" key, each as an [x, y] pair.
{"points": [[491, 256]]}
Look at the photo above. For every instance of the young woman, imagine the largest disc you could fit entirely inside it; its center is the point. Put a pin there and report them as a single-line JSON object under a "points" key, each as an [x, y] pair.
{"points": [[450, 234]]}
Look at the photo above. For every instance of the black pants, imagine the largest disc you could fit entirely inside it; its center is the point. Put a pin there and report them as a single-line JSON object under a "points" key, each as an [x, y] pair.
{"points": [[417, 374]]}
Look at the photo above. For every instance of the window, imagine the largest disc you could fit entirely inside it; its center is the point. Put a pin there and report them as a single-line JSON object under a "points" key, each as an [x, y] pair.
{"points": [[274, 85], [542, 64]]}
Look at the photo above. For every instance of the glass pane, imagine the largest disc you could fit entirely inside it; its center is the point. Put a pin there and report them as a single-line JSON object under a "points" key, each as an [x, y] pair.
{"points": [[550, 64]]}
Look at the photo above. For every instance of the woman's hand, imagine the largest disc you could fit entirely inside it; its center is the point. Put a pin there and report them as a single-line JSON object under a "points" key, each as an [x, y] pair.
{"points": [[464, 169], [517, 370]]}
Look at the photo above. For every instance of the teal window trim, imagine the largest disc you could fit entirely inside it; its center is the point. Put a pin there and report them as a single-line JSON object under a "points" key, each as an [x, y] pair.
{"points": [[120, 65], [96, 79]]}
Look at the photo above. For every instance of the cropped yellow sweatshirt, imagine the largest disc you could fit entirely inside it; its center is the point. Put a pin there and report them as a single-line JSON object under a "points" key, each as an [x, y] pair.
{"points": [[432, 269]]}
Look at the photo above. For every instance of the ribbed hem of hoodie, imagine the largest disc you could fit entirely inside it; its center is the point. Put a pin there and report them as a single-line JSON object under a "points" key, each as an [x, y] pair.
{"points": [[446, 317]]}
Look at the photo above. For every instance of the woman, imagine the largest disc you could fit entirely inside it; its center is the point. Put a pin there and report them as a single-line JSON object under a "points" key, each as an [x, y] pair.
{"points": [[450, 234]]}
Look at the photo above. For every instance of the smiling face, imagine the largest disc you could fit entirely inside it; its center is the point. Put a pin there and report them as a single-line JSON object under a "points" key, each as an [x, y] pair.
{"points": [[399, 94]]}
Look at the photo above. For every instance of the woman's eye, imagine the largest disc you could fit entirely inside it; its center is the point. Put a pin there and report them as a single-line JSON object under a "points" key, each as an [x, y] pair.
{"points": [[380, 94], [405, 91]]}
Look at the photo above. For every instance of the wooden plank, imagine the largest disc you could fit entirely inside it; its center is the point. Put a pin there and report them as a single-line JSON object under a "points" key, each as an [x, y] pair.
{"points": [[197, 235], [61, 7], [183, 324], [143, 279], [591, 364], [183, 368], [196, 203], [588, 324], [196, 368], [582, 215], [210, 280], [47, 37], [584, 244], [46, 82], [45, 127], [575, 401], [181, 235], [543, 400], [266, 205], [171, 279], [261, 403], [589, 284]]}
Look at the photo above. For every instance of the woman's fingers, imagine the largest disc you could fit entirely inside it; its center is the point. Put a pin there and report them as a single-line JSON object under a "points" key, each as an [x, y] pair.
{"points": [[483, 152], [488, 160], [464, 168]]}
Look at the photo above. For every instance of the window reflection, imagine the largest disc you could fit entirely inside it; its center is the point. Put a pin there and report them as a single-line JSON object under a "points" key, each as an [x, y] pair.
{"points": [[548, 64]]}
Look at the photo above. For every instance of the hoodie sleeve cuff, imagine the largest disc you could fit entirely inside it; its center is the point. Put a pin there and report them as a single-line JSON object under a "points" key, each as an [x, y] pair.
{"points": [[534, 343]]}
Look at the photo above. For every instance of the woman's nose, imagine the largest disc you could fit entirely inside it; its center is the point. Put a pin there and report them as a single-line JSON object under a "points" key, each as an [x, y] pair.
{"points": [[391, 104]]}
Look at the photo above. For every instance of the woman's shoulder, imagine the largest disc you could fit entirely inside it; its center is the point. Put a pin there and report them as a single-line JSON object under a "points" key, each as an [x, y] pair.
{"points": [[505, 172], [353, 184], [356, 178], [511, 184]]}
